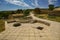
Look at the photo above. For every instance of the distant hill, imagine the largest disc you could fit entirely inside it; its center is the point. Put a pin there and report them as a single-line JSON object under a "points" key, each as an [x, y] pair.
{"points": [[57, 7]]}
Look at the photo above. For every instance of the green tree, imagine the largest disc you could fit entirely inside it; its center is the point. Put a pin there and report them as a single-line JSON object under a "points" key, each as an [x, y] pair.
{"points": [[26, 12], [19, 11], [4, 14], [13, 12], [51, 7], [37, 11]]}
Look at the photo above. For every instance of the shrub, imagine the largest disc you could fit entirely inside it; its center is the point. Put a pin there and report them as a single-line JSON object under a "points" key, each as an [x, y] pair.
{"points": [[37, 11], [26, 12], [19, 11], [2, 25]]}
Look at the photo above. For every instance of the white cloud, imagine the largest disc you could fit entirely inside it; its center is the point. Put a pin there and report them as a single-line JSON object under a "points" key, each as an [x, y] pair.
{"points": [[35, 3], [32, 3], [52, 1], [23, 4], [19, 3]]}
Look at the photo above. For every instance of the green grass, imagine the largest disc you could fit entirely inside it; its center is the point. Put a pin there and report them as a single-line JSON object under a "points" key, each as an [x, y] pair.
{"points": [[2, 25], [54, 18], [46, 16]]}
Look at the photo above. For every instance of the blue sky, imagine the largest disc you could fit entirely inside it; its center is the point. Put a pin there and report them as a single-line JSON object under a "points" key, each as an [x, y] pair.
{"points": [[24, 4]]}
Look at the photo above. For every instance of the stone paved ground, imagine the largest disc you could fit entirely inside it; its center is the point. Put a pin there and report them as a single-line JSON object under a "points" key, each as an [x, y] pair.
{"points": [[28, 31]]}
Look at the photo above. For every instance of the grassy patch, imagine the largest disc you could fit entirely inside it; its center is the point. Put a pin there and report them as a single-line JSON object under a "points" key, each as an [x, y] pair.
{"points": [[2, 25], [46, 16], [54, 18]]}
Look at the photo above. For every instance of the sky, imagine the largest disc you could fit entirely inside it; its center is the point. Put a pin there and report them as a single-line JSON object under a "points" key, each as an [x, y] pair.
{"points": [[26, 4]]}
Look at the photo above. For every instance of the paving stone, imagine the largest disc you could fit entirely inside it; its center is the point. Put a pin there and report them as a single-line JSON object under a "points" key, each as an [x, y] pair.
{"points": [[28, 32]]}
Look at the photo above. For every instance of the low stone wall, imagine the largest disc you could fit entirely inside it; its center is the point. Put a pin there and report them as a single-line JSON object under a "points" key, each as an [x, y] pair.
{"points": [[46, 23], [35, 21]]}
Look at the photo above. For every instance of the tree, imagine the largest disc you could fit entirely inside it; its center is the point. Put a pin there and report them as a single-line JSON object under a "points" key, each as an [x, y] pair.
{"points": [[37, 10], [26, 12], [51, 7], [4, 14], [12, 12], [19, 11]]}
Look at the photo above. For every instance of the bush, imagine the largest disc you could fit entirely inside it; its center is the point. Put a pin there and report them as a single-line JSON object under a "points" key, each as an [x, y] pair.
{"points": [[41, 16], [2, 25], [37, 11], [26, 12], [4, 14], [19, 11]]}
